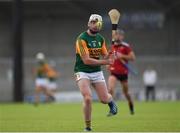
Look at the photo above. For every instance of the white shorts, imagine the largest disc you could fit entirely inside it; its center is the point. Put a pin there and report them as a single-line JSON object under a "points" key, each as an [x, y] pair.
{"points": [[93, 77], [42, 82], [52, 85]]}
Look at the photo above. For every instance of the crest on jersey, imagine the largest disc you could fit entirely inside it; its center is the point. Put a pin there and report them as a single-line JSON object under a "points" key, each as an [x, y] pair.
{"points": [[94, 43]]}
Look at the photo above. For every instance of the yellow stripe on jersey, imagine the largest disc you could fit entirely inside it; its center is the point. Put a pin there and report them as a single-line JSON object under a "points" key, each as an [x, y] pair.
{"points": [[82, 51], [81, 47]]}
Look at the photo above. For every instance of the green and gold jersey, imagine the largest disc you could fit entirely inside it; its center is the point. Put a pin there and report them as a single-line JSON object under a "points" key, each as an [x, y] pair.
{"points": [[43, 70], [94, 46]]}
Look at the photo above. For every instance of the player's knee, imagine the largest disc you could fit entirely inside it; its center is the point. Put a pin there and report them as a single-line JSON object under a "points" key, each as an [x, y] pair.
{"points": [[87, 99], [105, 99]]}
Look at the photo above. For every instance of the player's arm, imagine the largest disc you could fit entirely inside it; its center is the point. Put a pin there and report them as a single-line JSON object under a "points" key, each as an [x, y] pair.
{"points": [[90, 61], [84, 53], [53, 72], [131, 56], [47, 68], [105, 53]]}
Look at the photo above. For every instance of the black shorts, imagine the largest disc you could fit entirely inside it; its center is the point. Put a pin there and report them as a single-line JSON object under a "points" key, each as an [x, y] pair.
{"points": [[121, 77]]}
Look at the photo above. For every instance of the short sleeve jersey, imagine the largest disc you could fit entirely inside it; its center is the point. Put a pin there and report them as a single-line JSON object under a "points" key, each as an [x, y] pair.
{"points": [[118, 67], [94, 46]]}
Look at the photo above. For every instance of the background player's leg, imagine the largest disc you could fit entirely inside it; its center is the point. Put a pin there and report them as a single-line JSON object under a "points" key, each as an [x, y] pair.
{"points": [[148, 90], [47, 95], [153, 93], [50, 95], [84, 86], [38, 90], [127, 95], [111, 84], [146, 93]]}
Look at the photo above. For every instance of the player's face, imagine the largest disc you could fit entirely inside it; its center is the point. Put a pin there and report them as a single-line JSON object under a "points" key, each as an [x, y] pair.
{"points": [[119, 37], [93, 26]]}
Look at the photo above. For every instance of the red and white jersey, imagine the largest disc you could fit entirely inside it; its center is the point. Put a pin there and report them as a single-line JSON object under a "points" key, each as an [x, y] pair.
{"points": [[118, 67]]}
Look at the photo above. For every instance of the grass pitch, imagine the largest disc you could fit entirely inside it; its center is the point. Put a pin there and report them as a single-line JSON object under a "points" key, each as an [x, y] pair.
{"points": [[151, 117]]}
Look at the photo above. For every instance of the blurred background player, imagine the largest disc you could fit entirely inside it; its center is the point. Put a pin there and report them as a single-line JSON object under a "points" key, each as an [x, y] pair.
{"points": [[52, 75], [43, 73], [150, 79], [90, 46], [122, 53]]}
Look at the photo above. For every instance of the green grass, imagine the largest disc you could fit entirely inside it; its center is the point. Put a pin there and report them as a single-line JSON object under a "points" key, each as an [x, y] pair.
{"points": [[151, 117]]}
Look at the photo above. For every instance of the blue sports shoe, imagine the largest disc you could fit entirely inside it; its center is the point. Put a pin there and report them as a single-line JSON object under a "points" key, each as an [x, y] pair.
{"points": [[113, 109]]}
